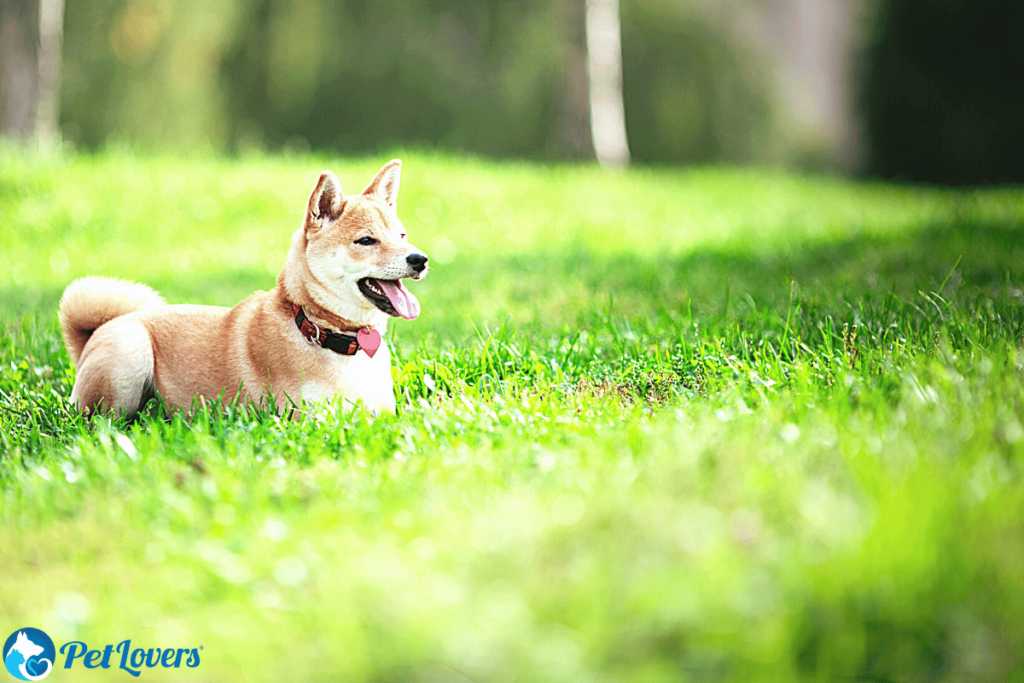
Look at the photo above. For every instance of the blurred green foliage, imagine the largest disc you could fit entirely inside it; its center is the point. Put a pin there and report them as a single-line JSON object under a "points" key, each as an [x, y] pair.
{"points": [[692, 93], [942, 93], [359, 76], [939, 91]]}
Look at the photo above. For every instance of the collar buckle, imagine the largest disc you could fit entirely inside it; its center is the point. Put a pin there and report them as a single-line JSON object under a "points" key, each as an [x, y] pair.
{"points": [[314, 335], [315, 339]]}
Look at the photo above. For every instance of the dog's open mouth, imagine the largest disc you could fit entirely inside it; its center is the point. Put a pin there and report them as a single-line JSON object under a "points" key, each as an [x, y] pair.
{"points": [[390, 296]]}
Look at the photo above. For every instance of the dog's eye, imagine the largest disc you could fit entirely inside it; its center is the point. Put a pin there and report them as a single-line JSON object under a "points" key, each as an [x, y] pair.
{"points": [[366, 241], [403, 235]]}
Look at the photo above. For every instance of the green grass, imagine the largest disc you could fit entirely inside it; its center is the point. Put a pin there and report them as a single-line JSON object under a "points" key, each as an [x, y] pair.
{"points": [[665, 425]]}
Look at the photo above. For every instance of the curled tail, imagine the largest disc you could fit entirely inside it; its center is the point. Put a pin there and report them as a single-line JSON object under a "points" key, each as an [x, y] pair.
{"points": [[92, 301]]}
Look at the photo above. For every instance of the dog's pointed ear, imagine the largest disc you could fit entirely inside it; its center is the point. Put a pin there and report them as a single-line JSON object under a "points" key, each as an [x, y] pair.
{"points": [[385, 186], [325, 202]]}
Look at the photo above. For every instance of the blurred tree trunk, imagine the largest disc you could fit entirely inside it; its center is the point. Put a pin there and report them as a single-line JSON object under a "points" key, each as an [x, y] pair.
{"points": [[591, 117], [30, 56], [816, 45], [51, 34], [19, 73], [572, 132], [604, 74]]}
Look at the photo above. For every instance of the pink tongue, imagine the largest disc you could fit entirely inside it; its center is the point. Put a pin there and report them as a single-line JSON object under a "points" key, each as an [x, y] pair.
{"points": [[401, 298]]}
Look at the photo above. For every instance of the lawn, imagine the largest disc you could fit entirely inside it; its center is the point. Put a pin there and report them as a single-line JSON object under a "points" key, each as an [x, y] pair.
{"points": [[663, 425]]}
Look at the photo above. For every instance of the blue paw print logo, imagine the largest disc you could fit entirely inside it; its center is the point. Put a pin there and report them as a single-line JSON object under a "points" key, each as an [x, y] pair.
{"points": [[28, 654]]}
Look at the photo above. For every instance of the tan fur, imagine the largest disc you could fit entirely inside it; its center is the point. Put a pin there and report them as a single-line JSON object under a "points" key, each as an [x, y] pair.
{"points": [[127, 343], [92, 301]]}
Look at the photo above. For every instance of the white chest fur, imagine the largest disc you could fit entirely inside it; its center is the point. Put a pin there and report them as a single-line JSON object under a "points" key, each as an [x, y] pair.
{"points": [[355, 378]]}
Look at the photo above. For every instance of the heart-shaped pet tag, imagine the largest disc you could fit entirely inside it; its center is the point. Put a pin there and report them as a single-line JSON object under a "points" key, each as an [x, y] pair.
{"points": [[369, 340]]}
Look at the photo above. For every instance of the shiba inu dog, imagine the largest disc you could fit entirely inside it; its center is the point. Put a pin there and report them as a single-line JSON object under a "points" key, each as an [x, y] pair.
{"points": [[317, 334]]}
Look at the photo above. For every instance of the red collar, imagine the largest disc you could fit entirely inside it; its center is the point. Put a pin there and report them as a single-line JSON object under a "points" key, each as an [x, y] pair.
{"points": [[367, 339]]}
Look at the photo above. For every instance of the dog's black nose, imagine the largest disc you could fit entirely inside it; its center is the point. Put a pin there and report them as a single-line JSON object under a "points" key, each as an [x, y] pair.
{"points": [[417, 261]]}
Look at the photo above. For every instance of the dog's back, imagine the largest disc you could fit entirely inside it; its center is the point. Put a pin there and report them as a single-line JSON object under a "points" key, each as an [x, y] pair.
{"points": [[92, 301], [116, 331]]}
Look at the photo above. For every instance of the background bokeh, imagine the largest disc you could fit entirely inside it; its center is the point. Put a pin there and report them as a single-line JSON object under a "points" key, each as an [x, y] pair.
{"points": [[918, 90], [727, 423]]}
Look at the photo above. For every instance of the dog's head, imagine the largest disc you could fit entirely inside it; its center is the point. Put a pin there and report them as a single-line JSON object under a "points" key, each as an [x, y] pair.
{"points": [[357, 248]]}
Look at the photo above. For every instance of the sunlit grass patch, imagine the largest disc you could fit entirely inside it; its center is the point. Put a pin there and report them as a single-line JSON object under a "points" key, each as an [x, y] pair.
{"points": [[658, 426]]}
